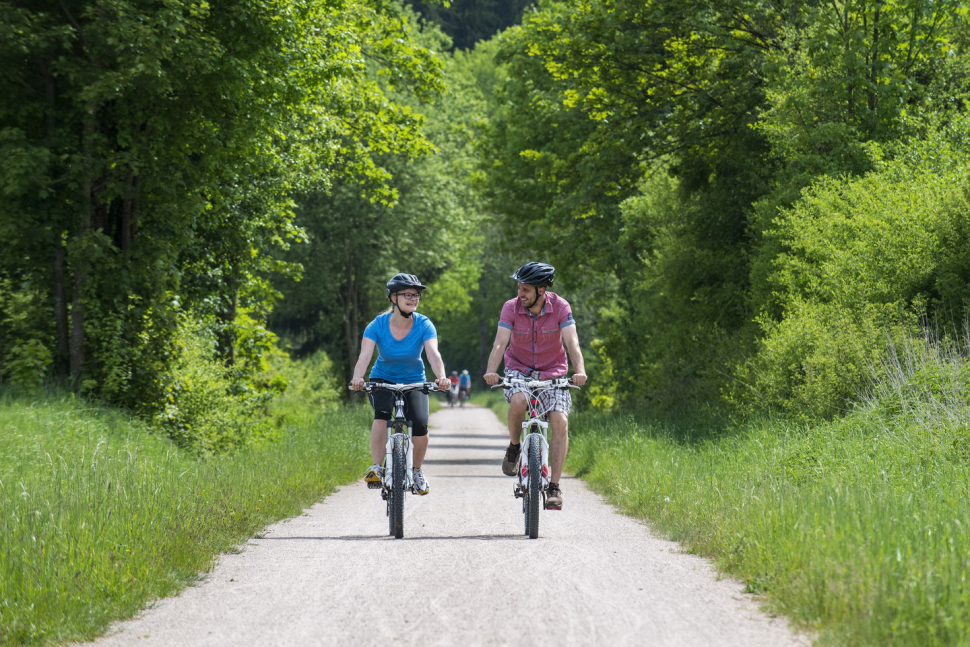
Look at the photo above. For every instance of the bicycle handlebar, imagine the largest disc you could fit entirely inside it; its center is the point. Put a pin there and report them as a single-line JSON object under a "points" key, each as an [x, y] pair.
{"points": [[556, 383], [400, 388]]}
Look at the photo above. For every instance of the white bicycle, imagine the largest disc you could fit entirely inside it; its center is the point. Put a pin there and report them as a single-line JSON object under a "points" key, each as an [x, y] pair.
{"points": [[533, 468], [398, 459]]}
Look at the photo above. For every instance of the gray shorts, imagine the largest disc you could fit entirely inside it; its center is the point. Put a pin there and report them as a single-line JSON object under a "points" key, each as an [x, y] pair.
{"points": [[549, 400]]}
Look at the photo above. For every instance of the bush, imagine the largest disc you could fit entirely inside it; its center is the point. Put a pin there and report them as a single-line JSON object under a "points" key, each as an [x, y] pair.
{"points": [[200, 410], [863, 260], [26, 363], [312, 385], [925, 380]]}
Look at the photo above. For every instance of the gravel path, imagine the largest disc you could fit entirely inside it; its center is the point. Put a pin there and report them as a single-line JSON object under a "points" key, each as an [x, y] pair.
{"points": [[464, 574]]}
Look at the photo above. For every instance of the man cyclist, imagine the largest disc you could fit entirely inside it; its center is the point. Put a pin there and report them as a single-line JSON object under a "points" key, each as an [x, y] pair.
{"points": [[538, 323], [465, 384]]}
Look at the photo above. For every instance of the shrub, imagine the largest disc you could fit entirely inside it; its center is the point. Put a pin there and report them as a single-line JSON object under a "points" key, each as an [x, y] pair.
{"points": [[312, 385], [26, 363], [203, 408], [863, 260]]}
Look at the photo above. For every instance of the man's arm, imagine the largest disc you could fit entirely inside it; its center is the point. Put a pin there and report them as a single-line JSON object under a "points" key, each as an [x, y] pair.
{"points": [[571, 339], [502, 337]]}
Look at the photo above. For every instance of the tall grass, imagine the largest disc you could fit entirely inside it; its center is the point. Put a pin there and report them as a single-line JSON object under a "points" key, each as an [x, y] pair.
{"points": [[858, 529], [98, 515]]}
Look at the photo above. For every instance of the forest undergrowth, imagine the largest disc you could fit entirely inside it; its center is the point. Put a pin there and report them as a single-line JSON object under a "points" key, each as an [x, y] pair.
{"points": [[856, 528]]}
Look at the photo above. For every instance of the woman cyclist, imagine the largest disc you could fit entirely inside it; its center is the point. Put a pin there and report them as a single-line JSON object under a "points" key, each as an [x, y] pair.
{"points": [[399, 335]]}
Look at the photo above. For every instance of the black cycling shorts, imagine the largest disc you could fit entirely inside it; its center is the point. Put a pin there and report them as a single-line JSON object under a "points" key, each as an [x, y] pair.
{"points": [[415, 407]]}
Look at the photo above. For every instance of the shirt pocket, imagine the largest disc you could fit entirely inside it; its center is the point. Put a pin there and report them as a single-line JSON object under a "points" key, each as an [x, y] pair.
{"points": [[520, 337], [551, 334]]}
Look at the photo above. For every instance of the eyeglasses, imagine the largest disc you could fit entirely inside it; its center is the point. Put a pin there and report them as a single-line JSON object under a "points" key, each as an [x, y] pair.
{"points": [[410, 296]]}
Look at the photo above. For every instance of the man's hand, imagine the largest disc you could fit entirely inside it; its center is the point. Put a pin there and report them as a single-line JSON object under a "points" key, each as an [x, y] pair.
{"points": [[579, 379], [357, 383], [492, 378]]}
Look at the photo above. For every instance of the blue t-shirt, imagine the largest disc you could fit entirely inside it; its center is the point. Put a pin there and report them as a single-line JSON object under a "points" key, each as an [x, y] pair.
{"points": [[464, 380], [399, 361]]}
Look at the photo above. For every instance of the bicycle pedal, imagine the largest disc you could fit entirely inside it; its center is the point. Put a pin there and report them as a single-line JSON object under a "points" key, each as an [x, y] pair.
{"points": [[553, 507], [374, 485]]}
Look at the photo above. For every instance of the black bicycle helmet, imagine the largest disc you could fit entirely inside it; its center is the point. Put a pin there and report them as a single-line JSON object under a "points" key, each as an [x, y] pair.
{"points": [[400, 281], [537, 274]]}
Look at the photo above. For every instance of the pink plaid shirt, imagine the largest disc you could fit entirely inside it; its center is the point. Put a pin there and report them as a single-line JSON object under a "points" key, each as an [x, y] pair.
{"points": [[536, 343]]}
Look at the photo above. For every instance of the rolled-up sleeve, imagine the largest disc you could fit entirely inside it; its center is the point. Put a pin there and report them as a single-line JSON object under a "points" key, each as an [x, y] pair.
{"points": [[566, 319], [507, 318]]}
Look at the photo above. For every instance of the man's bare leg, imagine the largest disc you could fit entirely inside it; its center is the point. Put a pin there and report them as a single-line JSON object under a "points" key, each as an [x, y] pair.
{"points": [[558, 444], [517, 409]]}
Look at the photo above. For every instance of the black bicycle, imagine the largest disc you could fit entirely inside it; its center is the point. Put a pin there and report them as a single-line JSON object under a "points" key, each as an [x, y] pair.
{"points": [[533, 468], [398, 460]]}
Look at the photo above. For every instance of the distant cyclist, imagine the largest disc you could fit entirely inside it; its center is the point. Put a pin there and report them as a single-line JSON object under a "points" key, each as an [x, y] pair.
{"points": [[538, 323], [453, 390], [465, 384], [400, 335]]}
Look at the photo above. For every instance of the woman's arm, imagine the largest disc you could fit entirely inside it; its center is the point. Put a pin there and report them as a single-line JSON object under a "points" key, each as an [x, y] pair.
{"points": [[367, 346], [437, 364]]}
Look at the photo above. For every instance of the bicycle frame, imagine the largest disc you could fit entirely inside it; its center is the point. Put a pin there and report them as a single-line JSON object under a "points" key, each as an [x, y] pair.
{"points": [[535, 431], [394, 485], [398, 417]]}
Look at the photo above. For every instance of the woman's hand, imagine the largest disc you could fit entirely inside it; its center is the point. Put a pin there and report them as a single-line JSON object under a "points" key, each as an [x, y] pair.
{"points": [[357, 384], [443, 383]]}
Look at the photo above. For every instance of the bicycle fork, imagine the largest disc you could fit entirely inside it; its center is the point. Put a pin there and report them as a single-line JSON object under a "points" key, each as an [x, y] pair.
{"points": [[389, 452], [522, 487]]}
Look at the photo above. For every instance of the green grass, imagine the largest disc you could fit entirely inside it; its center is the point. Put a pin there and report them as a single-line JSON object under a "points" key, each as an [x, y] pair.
{"points": [[493, 399], [98, 516], [857, 529]]}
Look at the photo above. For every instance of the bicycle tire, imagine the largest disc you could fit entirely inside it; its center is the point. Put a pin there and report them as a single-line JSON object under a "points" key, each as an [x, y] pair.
{"points": [[396, 518], [535, 491]]}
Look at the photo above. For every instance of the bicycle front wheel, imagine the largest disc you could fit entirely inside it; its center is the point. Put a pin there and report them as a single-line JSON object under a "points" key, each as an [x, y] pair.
{"points": [[534, 493], [397, 488]]}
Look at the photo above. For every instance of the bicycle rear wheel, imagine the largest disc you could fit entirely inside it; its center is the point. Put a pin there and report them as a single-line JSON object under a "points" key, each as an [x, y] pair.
{"points": [[534, 494], [396, 518]]}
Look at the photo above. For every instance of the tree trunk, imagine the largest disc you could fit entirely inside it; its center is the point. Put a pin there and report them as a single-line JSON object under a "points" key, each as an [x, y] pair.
{"points": [[60, 311], [227, 335], [129, 211], [126, 214], [873, 72], [59, 270], [80, 269]]}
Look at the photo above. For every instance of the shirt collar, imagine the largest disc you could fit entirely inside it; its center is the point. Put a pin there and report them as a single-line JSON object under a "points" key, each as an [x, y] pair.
{"points": [[547, 308]]}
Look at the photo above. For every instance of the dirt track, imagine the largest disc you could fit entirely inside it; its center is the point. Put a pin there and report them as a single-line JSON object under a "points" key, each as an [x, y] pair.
{"points": [[463, 575]]}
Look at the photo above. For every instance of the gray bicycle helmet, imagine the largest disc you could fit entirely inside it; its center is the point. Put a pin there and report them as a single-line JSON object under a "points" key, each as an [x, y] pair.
{"points": [[534, 273], [400, 281]]}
